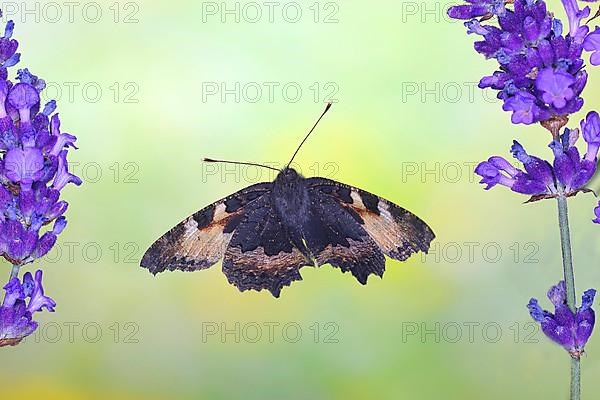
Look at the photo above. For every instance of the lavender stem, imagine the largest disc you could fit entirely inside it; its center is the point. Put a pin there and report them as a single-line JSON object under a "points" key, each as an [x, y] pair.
{"points": [[565, 241], [15, 272]]}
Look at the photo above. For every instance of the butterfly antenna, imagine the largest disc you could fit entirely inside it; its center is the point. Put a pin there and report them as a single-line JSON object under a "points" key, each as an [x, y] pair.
{"points": [[311, 131], [210, 160]]}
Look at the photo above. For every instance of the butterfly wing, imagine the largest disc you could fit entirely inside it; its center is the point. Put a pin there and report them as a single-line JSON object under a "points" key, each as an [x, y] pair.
{"points": [[336, 237], [200, 240], [262, 253], [396, 231]]}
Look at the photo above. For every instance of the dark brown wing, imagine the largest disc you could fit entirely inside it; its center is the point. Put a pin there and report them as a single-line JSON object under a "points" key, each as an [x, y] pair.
{"points": [[398, 232], [200, 240]]}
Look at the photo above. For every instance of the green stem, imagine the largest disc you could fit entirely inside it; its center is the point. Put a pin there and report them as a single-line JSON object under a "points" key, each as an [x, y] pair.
{"points": [[15, 272], [575, 378], [565, 242]]}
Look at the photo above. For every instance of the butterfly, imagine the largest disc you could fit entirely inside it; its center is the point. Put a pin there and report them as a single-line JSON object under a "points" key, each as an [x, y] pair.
{"points": [[267, 232]]}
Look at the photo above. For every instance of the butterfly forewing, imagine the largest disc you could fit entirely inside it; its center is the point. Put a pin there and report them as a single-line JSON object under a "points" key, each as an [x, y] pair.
{"points": [[397, 232], [200, 240]]}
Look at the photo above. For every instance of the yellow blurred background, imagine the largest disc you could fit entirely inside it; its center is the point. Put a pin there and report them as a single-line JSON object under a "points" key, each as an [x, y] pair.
{"points": [[151, 87]]}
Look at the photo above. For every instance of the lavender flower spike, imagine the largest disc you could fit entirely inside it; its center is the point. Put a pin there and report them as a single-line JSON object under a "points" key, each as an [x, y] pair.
{"points": [[540, 78], [540, 73], [33, 173], [568, 329], [33, 170], [16, 312]]}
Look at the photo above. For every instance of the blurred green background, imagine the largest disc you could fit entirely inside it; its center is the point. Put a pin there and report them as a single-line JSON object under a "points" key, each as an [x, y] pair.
{"points": [[151, 87]]}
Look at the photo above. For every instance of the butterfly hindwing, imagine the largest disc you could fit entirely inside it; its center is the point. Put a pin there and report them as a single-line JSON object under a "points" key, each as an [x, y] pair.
{"points": [[396, 231], [261, 253], [336, 237], [200, 240]]}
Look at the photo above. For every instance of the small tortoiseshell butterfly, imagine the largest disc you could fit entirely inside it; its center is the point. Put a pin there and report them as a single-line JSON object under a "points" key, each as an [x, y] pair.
{"points": [[266, 232]]}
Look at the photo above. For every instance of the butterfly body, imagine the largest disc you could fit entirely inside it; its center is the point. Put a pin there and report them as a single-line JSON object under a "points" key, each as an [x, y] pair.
{"points": [[291, 199]]}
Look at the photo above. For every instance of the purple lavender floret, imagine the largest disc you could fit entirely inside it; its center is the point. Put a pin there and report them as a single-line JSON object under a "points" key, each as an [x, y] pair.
{"points": [[477, 8], [541, 71], [568, 329], [592, 44], [597, 214], [16, 311], [8, 50], [566, 175], [575, 16]]}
